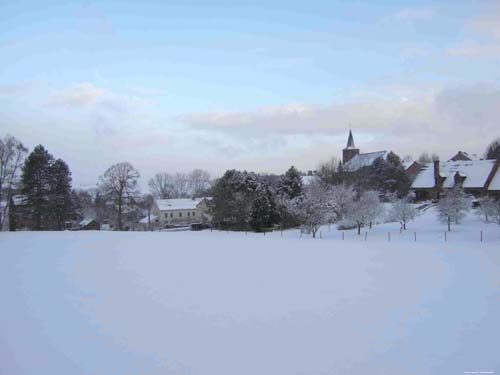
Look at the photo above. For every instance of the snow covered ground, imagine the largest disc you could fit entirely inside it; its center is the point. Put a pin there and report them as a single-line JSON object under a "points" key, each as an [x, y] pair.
{"points": [[218, 303]]}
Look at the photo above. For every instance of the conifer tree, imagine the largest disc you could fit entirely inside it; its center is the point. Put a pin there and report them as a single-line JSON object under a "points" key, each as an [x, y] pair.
{"points": [[61, 202], [36, 184], [291, 184]]}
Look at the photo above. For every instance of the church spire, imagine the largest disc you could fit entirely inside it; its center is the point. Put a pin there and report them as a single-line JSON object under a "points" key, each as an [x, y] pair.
{"points": [[350, 140]]}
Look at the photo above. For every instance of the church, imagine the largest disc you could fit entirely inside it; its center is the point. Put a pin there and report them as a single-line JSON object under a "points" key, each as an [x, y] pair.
{"points": [[353, 160]]}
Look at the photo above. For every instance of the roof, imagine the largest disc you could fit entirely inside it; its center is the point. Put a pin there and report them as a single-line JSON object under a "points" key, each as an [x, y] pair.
{"points": [[144, 220], [495, 182], [178, 204], [364, 160], [476, 173], [306, 180], [85, 222]]}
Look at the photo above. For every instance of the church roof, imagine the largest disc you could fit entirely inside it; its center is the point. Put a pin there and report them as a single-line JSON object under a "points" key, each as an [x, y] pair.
{"points": [[364, 160]]}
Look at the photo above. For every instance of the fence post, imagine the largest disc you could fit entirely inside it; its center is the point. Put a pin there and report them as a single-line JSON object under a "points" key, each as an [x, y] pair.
{"points": [[481, 236], [389, 236], [366, 236], [415, 235], [342, 235], [445, 236], [320, 234], [282, 233]]}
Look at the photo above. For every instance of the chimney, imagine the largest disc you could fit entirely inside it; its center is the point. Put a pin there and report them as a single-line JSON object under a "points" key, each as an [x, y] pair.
{"points": [[437, 178]]}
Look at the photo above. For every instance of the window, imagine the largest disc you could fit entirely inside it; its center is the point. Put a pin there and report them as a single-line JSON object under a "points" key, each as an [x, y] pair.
{"points": [[194, 213], [180, 214], [166, 215], [189, 213], [171, 214]]}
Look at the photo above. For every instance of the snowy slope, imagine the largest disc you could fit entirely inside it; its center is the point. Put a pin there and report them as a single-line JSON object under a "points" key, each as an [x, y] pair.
{"points": [[228, 303]]}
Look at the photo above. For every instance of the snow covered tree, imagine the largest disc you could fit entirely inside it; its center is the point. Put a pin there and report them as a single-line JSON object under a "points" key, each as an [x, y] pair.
{"points": [[490, 209], [119, 184], [365, 210], [453, 207], [291, 185], [389, 177], [12, 154], [36, 185], [261, 212], [314, 207], [403, 212], [340, 197], [493, 150]]}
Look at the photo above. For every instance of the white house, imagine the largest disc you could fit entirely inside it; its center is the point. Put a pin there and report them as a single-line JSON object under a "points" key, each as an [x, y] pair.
{"points": [[179, 211]]}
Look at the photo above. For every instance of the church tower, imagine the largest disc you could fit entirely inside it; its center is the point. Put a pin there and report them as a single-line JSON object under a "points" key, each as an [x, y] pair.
{"points": [[350, 151]]}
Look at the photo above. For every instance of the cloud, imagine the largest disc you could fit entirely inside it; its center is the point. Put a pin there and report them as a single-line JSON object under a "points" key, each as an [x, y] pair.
{"points": [[474, 50], [441, 120], [80, 95], [487, 24], [412, 15]]}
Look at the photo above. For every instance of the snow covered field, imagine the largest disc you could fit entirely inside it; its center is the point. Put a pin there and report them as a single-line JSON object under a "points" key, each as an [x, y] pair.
{"points": [[216, 303]]}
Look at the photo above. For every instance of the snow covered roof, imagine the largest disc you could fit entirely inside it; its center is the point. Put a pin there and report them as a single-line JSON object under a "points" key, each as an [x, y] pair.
{"points": [[495, 182], [474, 172], [144, 220], [364, 160], [85, 222], [178, 204]]}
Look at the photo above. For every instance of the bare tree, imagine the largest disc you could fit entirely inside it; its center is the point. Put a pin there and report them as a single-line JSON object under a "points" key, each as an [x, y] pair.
{"points": [[453, 207], [161, 186], [402, 211], [12, 154], [119, 184], [199, 181]]}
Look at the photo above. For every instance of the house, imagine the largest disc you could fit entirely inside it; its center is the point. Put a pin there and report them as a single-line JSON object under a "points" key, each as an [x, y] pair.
{"points": [[182, 211], [88, 224], [476, 177], [353, 160]]}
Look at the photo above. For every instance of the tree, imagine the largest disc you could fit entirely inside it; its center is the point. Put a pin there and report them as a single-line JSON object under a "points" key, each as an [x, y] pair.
{"points": [[119, 184], [36, 185], [291, 185], [262, 209], [493, 150], [62, 201], [314, 207], [161, 186], [403, 212], [490, 209], [341, 196], [365, 210], [198, 182], [12, 154], [148, 202], [389, 177], [426, 158], [453, 207]]}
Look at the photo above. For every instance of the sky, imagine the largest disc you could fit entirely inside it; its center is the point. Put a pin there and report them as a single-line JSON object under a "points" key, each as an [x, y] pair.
{"points": [[170, 86]]}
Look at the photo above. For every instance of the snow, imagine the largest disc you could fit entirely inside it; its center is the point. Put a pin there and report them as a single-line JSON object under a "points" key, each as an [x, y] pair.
{"points": [[307, 180], [364, 160], [85, 222], [178, 204], [227, 303], [475, 172]]}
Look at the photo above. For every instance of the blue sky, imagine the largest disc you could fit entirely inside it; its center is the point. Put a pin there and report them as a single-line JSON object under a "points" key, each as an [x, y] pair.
{"points": [[265, 84]]}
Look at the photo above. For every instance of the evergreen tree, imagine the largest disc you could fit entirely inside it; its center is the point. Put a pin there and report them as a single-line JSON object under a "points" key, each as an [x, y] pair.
{"points": [[36, 184], [61, 200], [261, 210], [389, 177], [493, 151], [12, 216], [291, 184]]}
